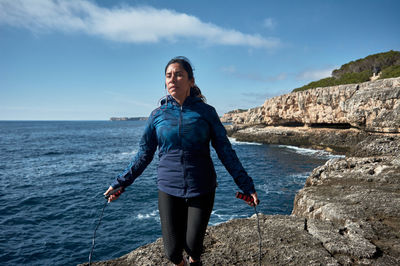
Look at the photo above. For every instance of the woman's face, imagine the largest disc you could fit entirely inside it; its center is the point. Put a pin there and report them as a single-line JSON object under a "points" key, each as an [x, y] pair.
{"points": [[178, 82]]}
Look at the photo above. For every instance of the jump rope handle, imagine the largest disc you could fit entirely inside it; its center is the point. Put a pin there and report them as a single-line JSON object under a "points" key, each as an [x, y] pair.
{"points": [[117, 192], [247, 198]]}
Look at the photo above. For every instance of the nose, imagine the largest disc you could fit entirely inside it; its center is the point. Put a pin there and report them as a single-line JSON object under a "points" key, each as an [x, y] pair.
{"points": [[173, 77]]}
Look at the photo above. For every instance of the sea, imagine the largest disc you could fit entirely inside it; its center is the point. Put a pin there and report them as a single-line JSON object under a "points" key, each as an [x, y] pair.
{"points": [[53, 175]]}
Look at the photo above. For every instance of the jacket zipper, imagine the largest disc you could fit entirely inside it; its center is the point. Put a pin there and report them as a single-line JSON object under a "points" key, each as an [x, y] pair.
{"points": [[182, 152]]}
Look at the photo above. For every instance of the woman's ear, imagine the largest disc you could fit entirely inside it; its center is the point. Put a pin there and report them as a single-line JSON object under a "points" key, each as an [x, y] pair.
{"points": [[192, 82]]}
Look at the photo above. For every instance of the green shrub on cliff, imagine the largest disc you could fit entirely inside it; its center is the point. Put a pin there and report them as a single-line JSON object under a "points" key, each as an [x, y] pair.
{"points": [[320, 83], [346, 78], [349, 78], [373, 62], [361, 70], [237, 111], [390, 72]]}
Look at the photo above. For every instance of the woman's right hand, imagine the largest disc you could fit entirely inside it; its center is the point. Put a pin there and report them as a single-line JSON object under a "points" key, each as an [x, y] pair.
{"points": [[256, 201], [111, 197]]}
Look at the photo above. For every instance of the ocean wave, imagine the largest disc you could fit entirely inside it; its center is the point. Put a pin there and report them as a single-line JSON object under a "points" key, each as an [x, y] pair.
{"points": [[90, 161], [52, 153], [218, 218], [115, 157], [269, 189], [236, 142], [301, 176], [312, 152], [151, 215]]}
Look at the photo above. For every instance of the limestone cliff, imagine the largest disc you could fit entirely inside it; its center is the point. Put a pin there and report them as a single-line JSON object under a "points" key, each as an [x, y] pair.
{"points": [[371, 106]]}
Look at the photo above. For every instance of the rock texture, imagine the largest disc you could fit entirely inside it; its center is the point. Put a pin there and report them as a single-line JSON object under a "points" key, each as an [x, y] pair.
{"points": [[360, 198], [285, 242], [371, 106]]}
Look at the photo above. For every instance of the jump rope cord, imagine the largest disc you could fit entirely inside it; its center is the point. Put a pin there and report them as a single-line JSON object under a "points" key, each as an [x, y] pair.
{"points": [[259, 236], [94, 234], [249, 199]]}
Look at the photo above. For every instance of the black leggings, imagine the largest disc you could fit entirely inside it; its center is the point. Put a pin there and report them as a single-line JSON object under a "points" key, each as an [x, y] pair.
{"points": [[184, 223]]}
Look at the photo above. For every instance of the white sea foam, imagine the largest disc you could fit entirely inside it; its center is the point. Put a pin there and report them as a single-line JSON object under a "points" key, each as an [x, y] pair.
{"points": [[236, 142], [151, 215], [218, 218], [312, 152], [128, 154], [108, 158], [301, 176], [269, 189]]}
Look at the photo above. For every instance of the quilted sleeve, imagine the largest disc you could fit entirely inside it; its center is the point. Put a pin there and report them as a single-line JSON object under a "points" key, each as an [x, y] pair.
{"points": [[147, 147], [227, 154]]}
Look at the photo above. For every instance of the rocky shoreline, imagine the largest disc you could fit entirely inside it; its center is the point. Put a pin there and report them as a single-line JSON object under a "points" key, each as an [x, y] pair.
{"points": [[128, 118], [348, 212]]}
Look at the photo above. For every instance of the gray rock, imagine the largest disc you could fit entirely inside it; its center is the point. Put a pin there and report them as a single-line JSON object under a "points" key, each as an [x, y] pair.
{"points": [[377, 145], [284, 242], [360, 197]]}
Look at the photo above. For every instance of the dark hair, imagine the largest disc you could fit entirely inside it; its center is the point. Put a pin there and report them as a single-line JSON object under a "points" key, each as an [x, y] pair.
{"points": [[185, 63]]}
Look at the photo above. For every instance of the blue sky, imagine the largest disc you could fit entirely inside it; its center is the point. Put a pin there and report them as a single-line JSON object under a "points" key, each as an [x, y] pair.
{"points": [[91, 60]]}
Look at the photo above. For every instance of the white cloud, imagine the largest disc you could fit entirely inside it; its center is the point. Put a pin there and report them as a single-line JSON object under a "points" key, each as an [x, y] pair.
{"points": [[270, 23], [315, 74], [122, 23]]}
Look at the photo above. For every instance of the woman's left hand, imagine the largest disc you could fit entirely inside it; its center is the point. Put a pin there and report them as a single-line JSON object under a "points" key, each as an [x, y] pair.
{"points": [[256, 201]]}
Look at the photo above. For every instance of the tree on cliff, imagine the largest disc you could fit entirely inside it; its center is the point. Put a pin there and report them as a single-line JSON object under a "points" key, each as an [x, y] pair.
{"points": [[387, 64]]}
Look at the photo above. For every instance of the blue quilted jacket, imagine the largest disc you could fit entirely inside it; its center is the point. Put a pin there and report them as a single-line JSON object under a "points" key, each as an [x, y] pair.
{"points": [[182, 135]]}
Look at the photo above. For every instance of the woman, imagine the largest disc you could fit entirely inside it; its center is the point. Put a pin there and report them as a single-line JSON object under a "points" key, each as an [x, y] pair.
{"points": [[182, 128]]}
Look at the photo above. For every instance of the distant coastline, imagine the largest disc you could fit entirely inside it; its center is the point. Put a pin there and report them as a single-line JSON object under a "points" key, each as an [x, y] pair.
{"points": [[128, 118]]}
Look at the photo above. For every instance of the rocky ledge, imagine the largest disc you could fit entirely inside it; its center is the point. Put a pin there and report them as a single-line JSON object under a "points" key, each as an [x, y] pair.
{"points": [[358, 200]]}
